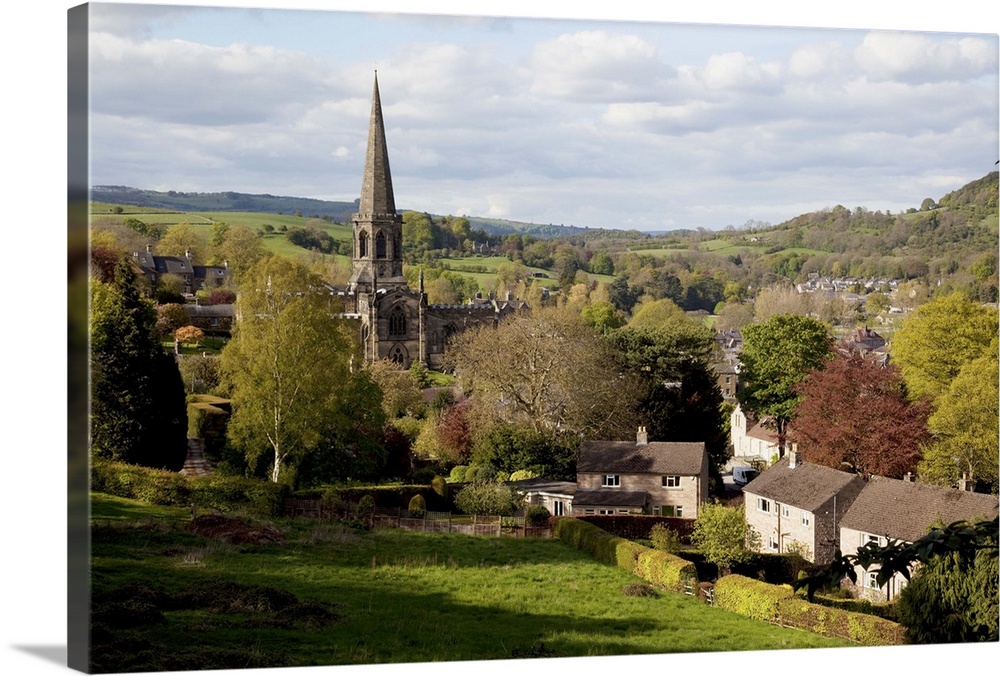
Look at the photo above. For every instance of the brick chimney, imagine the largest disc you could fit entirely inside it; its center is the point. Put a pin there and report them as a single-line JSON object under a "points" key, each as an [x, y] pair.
{"points": [[793, 456], [641, 439], [965, 483]]}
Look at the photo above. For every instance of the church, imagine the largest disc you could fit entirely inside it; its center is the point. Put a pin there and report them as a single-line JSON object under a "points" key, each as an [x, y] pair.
{"points": [[396, 322]]}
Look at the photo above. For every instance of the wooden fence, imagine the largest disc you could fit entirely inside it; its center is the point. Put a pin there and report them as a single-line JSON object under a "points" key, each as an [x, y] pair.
{"points": [[431, 522]]}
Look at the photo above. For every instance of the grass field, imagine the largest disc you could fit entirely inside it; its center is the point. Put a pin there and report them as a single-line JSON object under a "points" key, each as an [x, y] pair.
{"points": [[392, 596]]}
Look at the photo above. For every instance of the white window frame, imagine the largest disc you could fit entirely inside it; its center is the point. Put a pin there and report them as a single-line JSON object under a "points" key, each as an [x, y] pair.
{"points": [[772, 543], [786, 511], [671, 481], [806, 518], [764, 505], [870, 579], [559, 507], [611, 480], [871, 537]]}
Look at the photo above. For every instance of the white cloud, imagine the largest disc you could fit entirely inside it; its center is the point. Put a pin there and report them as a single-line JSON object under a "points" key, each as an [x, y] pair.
{"points": [[918, 58]]}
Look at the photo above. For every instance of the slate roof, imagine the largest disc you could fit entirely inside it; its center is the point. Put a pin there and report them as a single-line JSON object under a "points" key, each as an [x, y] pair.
{"points": [[902, 510], [656, 457], [609, 498], [217, 310], [807, 486]]}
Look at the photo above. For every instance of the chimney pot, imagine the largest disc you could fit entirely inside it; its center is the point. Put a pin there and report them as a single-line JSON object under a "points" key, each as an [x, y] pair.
{"points": [[793, 456], [641, 438]]}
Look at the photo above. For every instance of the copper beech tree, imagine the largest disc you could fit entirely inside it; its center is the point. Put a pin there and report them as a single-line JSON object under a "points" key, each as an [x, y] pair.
{"points": [[854, 415]]}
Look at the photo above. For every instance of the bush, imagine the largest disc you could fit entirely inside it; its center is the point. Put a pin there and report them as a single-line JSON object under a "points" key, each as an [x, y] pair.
{"points": [[366, 507], [488, 498], [780, 605], [457, 475], [439, 485], [536, 516], [418, 507], [152, 486], [235, 493], [664, 539]]}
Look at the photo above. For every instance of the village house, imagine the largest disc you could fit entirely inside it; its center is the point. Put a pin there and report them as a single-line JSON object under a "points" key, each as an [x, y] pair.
{"points": [[213, 320], [194, 277], [903, 511], [753, 443], [665, 478], [798, 506], [555, 496]]}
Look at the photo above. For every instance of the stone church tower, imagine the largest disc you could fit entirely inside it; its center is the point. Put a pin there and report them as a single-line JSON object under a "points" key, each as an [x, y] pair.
{"points": [[396, 321]]}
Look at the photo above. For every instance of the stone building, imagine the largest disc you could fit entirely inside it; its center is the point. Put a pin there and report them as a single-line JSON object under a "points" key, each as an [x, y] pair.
{"points": [[396, 322]]}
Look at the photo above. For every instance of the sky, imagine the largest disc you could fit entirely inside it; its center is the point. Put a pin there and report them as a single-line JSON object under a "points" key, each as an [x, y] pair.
{"points": [[601, 122]]}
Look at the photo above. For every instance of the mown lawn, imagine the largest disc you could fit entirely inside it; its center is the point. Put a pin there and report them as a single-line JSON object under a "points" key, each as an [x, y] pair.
{"points": [[399, 597]]}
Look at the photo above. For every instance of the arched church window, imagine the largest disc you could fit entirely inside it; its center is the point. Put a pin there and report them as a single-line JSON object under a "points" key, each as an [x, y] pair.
{"points": [[380, 245], [398, 355], [362, 244], [397, 322]]}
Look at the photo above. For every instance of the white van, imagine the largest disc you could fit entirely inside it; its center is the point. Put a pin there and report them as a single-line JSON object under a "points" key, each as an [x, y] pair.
{"points": [[744, 475]]}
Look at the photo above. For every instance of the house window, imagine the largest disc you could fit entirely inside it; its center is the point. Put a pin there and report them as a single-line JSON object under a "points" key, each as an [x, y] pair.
{"points": [[763, 505], [611, 480], [588, 511], [558, 508], [607, 511], [772, 543], [786, 511], [213, 321], [671, 481], [672, 510], [871, 579], [806, 518], [868, 538]]}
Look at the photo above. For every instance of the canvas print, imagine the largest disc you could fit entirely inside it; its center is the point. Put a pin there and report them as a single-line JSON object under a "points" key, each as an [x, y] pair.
{"points": [[403, 338]]}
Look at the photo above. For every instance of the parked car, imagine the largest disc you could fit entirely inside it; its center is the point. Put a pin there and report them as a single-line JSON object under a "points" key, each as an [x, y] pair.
{"points": [[744, 475]]}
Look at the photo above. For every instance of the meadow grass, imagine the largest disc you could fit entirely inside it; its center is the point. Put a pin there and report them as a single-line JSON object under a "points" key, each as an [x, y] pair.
{"points": [[416, 597]]}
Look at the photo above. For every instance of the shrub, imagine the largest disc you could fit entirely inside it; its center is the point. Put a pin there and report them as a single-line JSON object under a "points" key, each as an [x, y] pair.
{"points": [[488, 498], [536, 516], [523, 474], [664, 539], [234, 493], [639, 589], [418, 506], [666, 570], [439, 485], [152, 486], [366, 507], [457, 475]]}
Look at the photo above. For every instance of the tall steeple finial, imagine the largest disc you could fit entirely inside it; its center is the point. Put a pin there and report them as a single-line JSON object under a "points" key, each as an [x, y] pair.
{"points": [[376, 184]]}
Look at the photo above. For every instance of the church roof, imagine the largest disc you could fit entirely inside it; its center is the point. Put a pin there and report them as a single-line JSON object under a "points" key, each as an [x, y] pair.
{"points": [[376, 184]]}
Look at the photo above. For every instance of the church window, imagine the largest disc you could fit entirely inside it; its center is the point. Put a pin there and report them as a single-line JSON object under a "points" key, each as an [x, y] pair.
{"points": [[397, 322], [380, 245], [397, 356], [362, 244]]}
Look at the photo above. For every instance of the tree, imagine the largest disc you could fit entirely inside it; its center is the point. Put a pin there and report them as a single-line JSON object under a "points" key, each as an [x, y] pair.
{"points": [[960, 592], [656, 314], [170, 317], [776, 355], [938, 339], [138, 411], [287, 365], [603, 316], [952, 599], [545, 370], [723, 535], [189, 334], [238, 247], [854, 414], [401, 394], [680, 398], [181, 239], [964, 427]]}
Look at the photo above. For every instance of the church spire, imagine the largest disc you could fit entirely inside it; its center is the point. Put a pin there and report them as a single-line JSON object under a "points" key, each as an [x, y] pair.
{"points": [[376, 184]]}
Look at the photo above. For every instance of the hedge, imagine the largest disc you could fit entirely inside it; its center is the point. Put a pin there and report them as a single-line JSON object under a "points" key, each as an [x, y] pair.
{"points": [[638, 526], [162, 487], [780, 605], [659, 568], [386, 497]]}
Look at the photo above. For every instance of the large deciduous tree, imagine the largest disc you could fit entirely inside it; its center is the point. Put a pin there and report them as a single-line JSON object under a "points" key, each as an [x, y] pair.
{"points": [[545, 370], [287, 366], [964, 427], [854, 414], [776, 356], [723, 535], [138, 411], [938, 339]]}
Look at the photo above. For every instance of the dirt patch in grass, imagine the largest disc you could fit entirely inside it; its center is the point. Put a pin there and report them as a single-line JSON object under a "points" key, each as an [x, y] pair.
{"points": [[232, 530]]}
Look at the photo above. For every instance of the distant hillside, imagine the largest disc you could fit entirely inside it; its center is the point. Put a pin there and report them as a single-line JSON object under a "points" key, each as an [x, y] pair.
{"points": [[339, 212], [223, 201]]}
